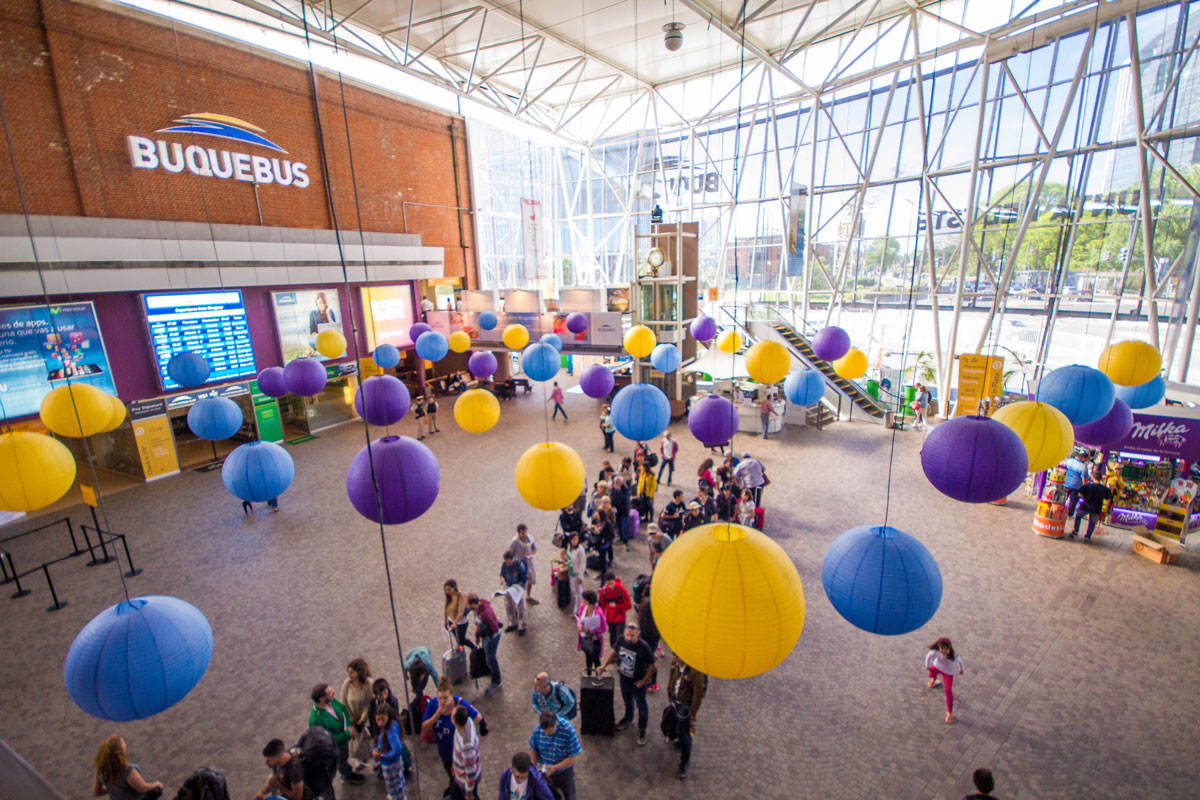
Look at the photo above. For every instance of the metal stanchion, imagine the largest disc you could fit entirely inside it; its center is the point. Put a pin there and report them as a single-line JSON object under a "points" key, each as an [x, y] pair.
{"points": [[16, 580], [74, 544], [57, 604], [4, 567], [100, 536], [133, 572]]}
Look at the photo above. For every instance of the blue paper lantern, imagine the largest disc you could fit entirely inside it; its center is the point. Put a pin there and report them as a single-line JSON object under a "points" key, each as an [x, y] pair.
{"points": [[804, 387], [408, 478], [540, 361], [386, 356], [257, 471], [1113, 427], [488, 320], [597, 381], [305, 376], [215, 418], [665, 357], [188, 369], [138, 658], [271, 382], [1083, 394], [640, 412], [432, 346], [881, 580], [552, 339], [974, 459], [382, 400], [713, 420], [1147, 394]]}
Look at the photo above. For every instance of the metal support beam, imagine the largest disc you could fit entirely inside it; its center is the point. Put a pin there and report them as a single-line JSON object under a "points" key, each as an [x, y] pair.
{"points": [[1150, 286]]}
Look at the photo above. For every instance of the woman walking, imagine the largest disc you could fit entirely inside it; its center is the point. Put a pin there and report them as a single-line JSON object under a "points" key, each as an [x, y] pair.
{"points": [[455, 612], [389, 751], [941, 661], [116, 777], [591, 624]]}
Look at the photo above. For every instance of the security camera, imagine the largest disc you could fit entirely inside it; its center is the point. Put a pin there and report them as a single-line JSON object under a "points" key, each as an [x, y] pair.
{"points": [[673, 35]]}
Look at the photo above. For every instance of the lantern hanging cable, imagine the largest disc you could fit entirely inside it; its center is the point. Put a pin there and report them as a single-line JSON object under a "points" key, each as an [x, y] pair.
{"points": [[737, 142], [325, 174]]}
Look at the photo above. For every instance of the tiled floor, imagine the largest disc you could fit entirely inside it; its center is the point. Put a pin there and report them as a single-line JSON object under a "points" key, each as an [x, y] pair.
{"points": [[1081, 660]]}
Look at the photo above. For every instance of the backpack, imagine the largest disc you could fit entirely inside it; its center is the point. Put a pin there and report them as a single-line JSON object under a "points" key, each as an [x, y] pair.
{"points": [[650, 459], [570, 712], [670, 723], [205, 783], [639, 588], [319, 757]]}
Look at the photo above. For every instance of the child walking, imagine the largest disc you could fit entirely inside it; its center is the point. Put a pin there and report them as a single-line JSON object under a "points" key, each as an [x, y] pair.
{"points": [[942, 661]]}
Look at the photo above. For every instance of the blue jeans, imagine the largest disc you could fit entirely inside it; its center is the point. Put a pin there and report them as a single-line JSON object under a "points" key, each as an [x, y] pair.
{"points": [[490, 645], [558, 409], [1093, 518], [666, 462], [683, 733], [637, 695], [622, 526]]}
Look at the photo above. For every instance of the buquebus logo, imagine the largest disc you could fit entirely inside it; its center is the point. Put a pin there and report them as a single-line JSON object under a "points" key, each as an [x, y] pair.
{"points": [[209, 162]]}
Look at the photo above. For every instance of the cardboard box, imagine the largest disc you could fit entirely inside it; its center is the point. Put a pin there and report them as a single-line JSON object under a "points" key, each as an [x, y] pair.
{"points": [[1173, 548], [1148, 548]]}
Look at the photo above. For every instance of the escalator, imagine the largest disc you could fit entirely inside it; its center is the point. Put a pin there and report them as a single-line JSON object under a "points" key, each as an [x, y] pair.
{"points": [[801, 346]]}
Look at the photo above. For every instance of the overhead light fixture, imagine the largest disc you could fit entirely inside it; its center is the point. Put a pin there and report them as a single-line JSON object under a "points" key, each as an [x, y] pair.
{"points": [[673, 35]]}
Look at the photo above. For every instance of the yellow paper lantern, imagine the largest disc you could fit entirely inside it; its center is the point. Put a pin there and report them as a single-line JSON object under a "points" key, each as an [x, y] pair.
{"points": [[852, 365], [549, 476], [331, 344], [35, 470], [477, 411], [1043, 429], [76, 410], [728, 600], [460, 341], [768, 362], [729, 342], [118, 413], [515, 337], [1130, 363], [640, 341]]}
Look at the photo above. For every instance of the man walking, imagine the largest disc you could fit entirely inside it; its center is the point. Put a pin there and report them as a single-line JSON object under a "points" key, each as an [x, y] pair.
{"points": [[614, 602], [554, 745], [524, 548], [667, 450], [685, 690], [636, 669], [487, 635], [512, 577], [765, 412], [1072, 480], [607, 428], [1092, 496], [556, 397], [552, 696]]}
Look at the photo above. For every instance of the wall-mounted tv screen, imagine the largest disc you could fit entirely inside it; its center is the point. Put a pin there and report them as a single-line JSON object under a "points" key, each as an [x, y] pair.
{"points": [[300, 316], [212, 324], [43, 346], [388, 314]]}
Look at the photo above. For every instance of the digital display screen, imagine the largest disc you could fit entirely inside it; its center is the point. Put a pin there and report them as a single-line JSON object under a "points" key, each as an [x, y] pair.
{"points": [[41, 347], [300, 316], [212, 324], [388, 313]]}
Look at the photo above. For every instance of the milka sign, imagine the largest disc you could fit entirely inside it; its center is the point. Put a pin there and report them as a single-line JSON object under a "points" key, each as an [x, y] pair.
{"points": [[208, 162], [1173, 437]]}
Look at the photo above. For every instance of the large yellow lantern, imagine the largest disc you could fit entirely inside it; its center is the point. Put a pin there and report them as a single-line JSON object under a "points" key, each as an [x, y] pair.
{"points": [[459, 341], [1130, 363], [515, 336], [729, 342], [331, 344], [35, 470], [76, 410], [768, 362], [852, 365], [640, 341], [118, 413], [477, 411], [550, 476], [728, 600], [1043, 429]]}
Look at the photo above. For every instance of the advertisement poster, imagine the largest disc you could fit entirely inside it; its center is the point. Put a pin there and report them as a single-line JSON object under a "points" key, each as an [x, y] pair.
{"points": [[618, 299], [1169, 437], [531, 236], [794, 247], [388, 314], [42, 346], [978, 377], [606, 329], [212, 324], [155, 443], [300, 316], [560, 327]]}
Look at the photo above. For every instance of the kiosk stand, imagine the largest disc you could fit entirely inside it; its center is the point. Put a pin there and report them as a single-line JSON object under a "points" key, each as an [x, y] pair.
{"points": [[1050, 519]]}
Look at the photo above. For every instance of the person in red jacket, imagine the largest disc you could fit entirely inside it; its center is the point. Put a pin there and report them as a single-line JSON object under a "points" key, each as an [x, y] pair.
{"points": [[614, 601]]}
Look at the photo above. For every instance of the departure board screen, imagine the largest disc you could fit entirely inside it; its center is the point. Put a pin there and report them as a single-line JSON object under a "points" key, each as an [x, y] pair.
{"points": [[212, 324]]}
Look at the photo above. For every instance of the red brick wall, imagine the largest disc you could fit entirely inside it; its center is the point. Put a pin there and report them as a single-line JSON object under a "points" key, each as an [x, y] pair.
{"points": [[75, 80]]}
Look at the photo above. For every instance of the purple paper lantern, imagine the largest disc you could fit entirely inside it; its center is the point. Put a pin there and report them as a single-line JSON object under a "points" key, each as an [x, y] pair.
{"points": [[382, 400], [831, 343], [408, 478], [704, 328], [713, 420], [577, 322], [271, 382], [597, 381], [304, 376], [416, 329], [974, 459], [482, 364], [1109, 429]]}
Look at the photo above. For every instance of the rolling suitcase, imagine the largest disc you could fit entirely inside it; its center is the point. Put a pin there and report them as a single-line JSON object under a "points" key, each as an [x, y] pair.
{"points": [[562, 590], [454, 662], [634, 526], [758, 518], [596, 717]]}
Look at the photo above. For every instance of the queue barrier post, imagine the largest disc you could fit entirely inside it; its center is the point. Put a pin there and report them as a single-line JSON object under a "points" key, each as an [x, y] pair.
{"points": [[53, 594]]}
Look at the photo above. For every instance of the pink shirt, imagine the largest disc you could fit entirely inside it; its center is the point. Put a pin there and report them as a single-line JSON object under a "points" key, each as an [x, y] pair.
{"points": [[556, 395], [767, 407]]}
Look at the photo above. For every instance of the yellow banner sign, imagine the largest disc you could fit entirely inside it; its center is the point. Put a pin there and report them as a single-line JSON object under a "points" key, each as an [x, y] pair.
{"points": [[89, 494], [156, 447], [978, 377]]}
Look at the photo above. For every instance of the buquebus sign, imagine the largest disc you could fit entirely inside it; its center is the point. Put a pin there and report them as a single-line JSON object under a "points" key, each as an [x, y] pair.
{"points": [[209, 162]]}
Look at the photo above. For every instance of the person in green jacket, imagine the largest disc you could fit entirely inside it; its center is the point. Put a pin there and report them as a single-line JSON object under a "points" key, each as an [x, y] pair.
{"points": [[331, 715]]}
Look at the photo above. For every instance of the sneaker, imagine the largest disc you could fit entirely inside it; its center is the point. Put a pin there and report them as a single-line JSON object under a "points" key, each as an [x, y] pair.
{"points": [[683, 772], [353, 778], [653, 688], [521, 632], [623, 724], [510, 629], [641, 740], [1074, 534], [492, 689], [1087, 538], [533, 602]]}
